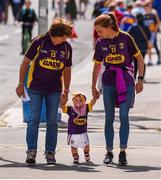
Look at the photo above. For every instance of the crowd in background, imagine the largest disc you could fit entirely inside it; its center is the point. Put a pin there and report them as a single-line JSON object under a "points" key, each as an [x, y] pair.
{"points": [[126, 12]]}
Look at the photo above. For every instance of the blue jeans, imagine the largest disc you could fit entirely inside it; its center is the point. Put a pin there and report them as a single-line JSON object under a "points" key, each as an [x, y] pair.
{"points": [[51, 103], [109, 98]]}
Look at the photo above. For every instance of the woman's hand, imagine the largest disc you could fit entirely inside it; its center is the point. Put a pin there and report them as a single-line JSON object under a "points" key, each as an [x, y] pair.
{"points": [[139, 86], [20, 90]]}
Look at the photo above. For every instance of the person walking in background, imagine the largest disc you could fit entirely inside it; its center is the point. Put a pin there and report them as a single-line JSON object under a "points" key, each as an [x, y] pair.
{"points": [[141, 34], [16, 7], [28, 17], [116, 49], [50, 56], [77, 124], [151, 20], [71, 10], [128, 18], [83, 8]]}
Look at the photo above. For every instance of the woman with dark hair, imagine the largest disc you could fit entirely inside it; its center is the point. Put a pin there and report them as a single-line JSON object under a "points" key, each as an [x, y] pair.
{"points": [[141, 34], [116, 50], [50, 57]]}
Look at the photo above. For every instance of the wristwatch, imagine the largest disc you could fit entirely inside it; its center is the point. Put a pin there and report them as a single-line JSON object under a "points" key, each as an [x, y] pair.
{"points": [[140, 78]]}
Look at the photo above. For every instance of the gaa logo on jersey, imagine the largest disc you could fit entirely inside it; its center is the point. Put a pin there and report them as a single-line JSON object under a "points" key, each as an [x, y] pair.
{"points": [[80, 121], [51, 64], [115, 58]]}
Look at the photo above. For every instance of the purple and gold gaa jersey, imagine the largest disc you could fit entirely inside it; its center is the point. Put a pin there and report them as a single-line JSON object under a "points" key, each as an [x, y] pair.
{"points": [[119, 51], [77, 124], [48, 63]]}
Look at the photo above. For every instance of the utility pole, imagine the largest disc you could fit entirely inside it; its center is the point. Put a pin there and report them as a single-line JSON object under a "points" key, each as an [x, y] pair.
{"points": [[43, 16], [61, 8]]}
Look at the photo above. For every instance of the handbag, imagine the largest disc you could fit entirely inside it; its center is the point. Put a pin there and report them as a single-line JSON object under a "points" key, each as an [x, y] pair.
{"points": [[149, 43]]}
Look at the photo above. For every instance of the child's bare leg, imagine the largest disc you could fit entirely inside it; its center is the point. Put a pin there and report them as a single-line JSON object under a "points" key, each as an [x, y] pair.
{"points": [[75, 155], [86, 153]]}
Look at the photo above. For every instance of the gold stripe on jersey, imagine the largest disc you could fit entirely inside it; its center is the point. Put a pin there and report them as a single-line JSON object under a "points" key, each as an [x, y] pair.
{"points": [[32, 64], [136, 47], [89, 107], [65, 109], [96, 61], [137, 54], [32, 67]]}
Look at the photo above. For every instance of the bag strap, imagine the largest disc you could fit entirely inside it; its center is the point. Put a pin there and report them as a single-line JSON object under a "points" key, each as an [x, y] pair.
{"points": [[145, 36]]}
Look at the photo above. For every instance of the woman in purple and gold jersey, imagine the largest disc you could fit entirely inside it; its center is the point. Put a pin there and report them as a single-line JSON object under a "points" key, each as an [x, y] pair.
{"points": [[116, 50], [50, 57]]}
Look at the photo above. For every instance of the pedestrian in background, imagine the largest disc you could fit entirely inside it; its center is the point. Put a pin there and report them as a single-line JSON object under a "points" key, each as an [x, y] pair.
{"points": [[77, 124], [50, 56], [141, 34], [116, 50], [28, 17]]}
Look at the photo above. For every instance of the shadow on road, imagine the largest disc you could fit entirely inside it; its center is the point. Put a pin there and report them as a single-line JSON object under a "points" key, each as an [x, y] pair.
{"points": [[81, 167], [134, 168]]}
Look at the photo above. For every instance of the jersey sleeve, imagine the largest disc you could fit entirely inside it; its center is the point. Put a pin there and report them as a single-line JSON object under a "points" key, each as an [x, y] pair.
{"points": [[33, 48], [68, 50], [132, 47], [67, 109], [97, 58], [89, 107]]}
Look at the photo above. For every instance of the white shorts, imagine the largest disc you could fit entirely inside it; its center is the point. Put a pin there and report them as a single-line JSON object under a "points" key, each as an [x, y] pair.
{"points": [[78, 140]]}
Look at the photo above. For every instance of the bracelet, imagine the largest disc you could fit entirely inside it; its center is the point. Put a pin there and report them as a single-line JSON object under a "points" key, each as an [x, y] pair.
{"points": [[21, 84], [66, 90], [140, 78]]}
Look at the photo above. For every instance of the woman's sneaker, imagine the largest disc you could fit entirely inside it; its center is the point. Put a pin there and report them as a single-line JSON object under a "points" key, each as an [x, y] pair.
{"points": [[108, 158], [31, 157], [50, 157], [75, 158], [122, 159], [87, 156]]}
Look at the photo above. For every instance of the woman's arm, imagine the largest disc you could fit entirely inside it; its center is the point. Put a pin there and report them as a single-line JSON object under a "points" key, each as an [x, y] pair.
{"points": [[22, 74], [139, 84], [95, 74], [66, 81]]}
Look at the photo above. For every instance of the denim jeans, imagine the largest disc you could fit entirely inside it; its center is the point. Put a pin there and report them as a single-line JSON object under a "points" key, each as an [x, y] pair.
{"points": [[109, 98], [51, 103]]}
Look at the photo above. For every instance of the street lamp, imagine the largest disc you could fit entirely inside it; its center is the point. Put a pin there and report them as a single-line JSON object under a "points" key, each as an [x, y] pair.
{"points": [[43, 16]]}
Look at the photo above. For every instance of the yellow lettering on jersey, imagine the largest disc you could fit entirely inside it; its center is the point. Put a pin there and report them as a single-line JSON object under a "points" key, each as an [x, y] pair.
{"points": [[52, 64], [79, 121], [113, 49], [115, 58], [53, 54]]}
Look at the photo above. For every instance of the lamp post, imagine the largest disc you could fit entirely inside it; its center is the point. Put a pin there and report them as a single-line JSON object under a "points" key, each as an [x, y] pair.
{"points": [[61, 8], [43, 16]]}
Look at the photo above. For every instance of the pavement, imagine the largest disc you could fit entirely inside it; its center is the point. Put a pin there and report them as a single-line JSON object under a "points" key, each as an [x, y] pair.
{"points": [[143, 154]]}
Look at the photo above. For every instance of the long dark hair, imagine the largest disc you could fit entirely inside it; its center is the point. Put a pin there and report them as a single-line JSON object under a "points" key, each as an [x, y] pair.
{"points": [[107, 20]]}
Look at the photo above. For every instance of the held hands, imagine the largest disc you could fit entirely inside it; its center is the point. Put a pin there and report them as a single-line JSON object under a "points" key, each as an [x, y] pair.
{"points": [[139, 86], [95, 93]]}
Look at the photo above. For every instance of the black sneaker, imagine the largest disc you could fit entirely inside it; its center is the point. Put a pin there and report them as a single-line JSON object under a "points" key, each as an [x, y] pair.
{"points": [[31, 157], [122, 159], [108, 158], [50, 158]]}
